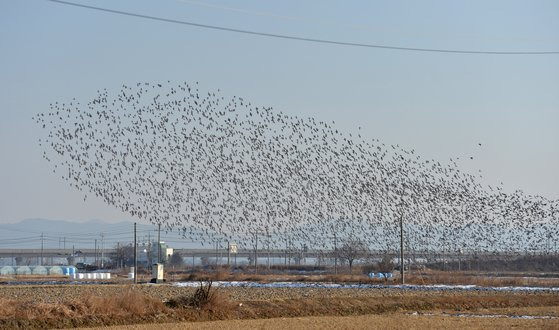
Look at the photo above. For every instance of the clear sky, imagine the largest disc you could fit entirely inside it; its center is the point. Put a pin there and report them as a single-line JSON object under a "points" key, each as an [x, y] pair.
{"points": [[442, 105]]}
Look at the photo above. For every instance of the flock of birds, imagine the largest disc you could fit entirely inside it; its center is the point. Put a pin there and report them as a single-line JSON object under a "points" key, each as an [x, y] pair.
{"points": [[224, 170]]}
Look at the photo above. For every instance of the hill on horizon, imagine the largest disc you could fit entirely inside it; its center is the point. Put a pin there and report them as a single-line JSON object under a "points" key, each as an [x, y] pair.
{"points": [[52, 234]]}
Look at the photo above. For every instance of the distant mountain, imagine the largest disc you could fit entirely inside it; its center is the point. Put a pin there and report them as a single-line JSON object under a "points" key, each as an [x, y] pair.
{"points": [[54, 227], [28, 233], [31, 233]]}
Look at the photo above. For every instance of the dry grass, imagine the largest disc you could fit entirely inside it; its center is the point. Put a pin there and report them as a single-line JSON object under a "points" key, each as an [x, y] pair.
{"points": [[423, 278], [128, 303], [463, 278], [342, 306], [205, 297], [120, 308], [365, 322], [33, 278], [225, 275], [129, 306]]}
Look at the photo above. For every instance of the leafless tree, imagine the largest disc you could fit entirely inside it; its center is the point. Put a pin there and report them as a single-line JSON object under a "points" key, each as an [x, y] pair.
{"points": [[123, 255], [386, 265], [176, 260], [352, 249]]}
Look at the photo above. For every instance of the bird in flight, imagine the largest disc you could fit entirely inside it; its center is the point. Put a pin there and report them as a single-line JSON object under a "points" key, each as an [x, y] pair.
{"points": [[218, 168]]}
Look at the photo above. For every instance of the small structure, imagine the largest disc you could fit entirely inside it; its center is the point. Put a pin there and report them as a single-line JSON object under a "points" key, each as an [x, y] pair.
{"points": [[68, 270], [381, 275], [91, 276], [157, 273]]}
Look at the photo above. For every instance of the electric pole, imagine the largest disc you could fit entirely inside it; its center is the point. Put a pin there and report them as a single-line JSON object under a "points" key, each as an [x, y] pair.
{"points": [[42, 248], [135, 256], [102, 250], [402, 248], [118, 254], [158, 243], [256, 255], [268, 246], [285, 255], [335, 254], [95, 252], [216, 247]]}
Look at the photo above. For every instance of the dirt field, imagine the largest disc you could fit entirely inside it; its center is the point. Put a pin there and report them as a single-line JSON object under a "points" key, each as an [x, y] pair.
{"points": [[163, 292], [392, 321], [66, 306]]}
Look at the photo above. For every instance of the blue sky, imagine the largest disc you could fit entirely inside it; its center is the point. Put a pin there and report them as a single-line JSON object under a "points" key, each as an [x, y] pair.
{"points": [[442, 105]]}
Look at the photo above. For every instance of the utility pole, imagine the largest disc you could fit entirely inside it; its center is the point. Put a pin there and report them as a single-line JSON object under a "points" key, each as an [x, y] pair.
{"points": [[289, 258], [118, 255], [256, 255], [158, 243], [149, 255], [216, 247], [402, 270], [402, 248], [102, 250], [285, 255], [42, 248], [335, 254], [268, 246], [96, 261], [228, 253], [135, 256]]}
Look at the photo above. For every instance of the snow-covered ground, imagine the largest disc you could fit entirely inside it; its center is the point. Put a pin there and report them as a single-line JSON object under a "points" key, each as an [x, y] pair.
{"points": [[320, 285], [527, 317]]}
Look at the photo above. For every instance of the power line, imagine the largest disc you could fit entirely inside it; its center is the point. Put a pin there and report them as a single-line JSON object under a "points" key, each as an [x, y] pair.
{"points": [[290, 37]]}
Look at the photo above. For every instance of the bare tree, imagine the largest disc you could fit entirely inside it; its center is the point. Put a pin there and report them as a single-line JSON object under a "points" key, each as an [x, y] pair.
{"points": [[205, 261], [386, 265], [352, 249], [123, 255], [176, 260]]}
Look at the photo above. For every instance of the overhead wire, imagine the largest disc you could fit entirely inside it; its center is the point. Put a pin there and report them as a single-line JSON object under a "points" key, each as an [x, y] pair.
{"points": [[305, 39]]}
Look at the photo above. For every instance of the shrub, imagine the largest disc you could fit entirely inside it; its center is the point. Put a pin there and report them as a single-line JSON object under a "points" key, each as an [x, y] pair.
{"points": [[205, 297]]}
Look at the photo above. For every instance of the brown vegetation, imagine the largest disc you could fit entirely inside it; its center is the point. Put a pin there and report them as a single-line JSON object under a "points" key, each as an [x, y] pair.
{"points": [[465, 278], [205, 297], [90, 310], [365, 322], [496, 263], [428, 277], [206, 303]]}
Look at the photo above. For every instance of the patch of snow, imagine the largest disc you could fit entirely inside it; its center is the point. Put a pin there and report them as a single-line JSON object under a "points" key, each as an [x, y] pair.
{"points": [[322, 285], [527, 317]]}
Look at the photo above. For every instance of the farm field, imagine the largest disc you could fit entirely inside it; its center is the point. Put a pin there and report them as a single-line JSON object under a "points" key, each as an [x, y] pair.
{"points": [[147, 306], [391, 321]]}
